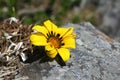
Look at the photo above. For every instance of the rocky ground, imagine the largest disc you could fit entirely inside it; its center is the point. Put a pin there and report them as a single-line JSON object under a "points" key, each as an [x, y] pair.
{"points": [[97, 57]]}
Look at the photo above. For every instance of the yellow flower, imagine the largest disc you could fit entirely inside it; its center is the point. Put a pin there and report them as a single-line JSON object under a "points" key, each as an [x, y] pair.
{"points": [[56, 40]]}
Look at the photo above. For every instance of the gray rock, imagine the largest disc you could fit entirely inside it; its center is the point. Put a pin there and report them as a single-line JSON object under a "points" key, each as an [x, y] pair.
{"points": [[95, 58], [110, 10]]}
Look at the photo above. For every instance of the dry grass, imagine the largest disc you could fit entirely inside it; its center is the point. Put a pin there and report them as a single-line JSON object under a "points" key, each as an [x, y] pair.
{"points": [[14, 44]]}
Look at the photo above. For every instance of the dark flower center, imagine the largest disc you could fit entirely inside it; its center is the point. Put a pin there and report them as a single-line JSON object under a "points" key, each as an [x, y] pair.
{"points": [[55, 41]]}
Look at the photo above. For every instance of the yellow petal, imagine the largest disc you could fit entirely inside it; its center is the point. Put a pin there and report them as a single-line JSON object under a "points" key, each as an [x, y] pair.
{"points": [[50, 26], [38, 39], [64, 53], [65, 31], [69, 42], [52, 53], [49, 47], [70, 36], [40, 29]]}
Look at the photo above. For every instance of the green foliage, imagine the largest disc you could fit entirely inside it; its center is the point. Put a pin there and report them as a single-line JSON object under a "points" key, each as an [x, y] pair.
{"points": [[8, 8], [92, 20], [27, 21], [75, 19], [12, 7], [59, 16]]}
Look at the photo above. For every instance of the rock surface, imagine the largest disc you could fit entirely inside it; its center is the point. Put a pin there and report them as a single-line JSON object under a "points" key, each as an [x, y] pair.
{"points": [[97, 57], [109, 19]]}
